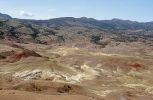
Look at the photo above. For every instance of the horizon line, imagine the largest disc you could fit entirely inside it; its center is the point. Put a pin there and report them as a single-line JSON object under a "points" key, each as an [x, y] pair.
{"points": [[41, 19]]}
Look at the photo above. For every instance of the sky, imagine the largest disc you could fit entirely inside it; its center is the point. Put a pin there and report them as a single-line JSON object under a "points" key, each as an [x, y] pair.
{"points": [[136, 10]]}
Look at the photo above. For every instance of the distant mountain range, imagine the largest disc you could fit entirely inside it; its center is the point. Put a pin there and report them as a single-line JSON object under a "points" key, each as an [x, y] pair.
{"points": [[74, 30], [114, 24], [5, 16]]}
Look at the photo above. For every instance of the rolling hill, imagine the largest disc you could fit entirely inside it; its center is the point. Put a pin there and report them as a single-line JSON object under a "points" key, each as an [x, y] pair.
{"points": [[75, 59]]}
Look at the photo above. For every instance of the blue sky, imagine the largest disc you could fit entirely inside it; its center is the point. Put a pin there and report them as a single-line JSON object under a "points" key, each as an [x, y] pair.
{"points": [[138, 10]]}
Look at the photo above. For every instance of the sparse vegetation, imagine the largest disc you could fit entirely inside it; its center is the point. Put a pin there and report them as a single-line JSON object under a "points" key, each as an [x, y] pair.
{"points": [[76, 57]]}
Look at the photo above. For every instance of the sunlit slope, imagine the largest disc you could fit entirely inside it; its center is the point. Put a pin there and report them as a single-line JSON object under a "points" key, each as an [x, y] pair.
{"points": [[100, 73]]}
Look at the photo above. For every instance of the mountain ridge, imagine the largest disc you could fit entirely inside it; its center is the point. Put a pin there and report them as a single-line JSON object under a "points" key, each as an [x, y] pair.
{"points": [[81, 58], [69, 30], [5, 16]]}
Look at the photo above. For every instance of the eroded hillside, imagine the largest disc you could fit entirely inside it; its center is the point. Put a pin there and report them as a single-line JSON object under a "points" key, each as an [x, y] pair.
{"points": [[87, 73], [75, 59]]}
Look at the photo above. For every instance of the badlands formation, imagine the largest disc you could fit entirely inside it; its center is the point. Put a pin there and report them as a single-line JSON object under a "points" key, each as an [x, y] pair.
{"points": [[75, 59], [43, 72]]}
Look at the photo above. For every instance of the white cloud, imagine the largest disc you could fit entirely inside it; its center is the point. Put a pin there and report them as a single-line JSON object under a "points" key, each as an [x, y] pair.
{"points": [[26, 14]]}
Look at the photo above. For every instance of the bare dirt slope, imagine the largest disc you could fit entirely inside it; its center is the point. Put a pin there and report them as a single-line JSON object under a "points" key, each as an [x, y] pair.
{"points": [[18, 95], [44, 72]]}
